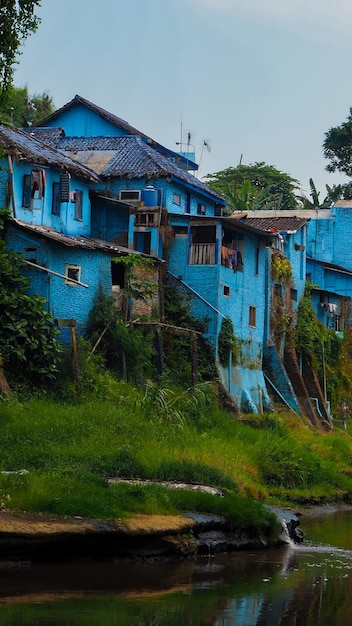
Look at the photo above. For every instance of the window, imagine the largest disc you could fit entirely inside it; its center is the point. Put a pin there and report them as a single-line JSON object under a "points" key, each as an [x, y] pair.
{"points": [[252, 316], [277, 289], [142, 218], [78, 200], [177, 199], [293, 293], [130, 195], [56, 199], [33, 189], [232, 250], [256, 271], [226, 290], [26, 196], [72, 273], [201, 209]]}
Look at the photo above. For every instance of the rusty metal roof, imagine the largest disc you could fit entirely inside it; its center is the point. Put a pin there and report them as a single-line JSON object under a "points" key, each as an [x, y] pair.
{"points": [[25, 147], [72, 241], [275, 223]]}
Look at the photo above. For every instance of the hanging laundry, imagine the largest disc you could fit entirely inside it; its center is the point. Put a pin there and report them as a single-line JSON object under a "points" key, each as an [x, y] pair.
{"points": [[36, 184]]}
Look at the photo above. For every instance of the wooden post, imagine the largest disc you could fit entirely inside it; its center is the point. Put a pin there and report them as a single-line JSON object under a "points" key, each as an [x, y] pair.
{"points": [[77, 374], [194, 363], [159, 351], [4, 385], [71, 323]]}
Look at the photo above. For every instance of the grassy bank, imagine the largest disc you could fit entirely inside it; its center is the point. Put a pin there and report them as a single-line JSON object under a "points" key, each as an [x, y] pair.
{"points": [[69, 450]]}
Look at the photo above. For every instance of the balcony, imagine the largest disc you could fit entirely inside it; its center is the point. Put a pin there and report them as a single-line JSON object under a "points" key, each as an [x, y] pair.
{"points": [[202, 254]]}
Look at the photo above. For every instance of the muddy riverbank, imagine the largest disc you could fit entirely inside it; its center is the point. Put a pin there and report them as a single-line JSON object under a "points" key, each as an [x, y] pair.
{"points": [[30, 537]]}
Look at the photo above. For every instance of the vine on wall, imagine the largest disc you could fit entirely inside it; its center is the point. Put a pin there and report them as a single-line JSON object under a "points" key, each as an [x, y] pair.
{"points": [[228, 342]]}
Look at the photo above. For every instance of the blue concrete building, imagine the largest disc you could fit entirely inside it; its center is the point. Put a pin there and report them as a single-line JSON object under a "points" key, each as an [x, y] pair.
{"points": [[147, 199], [49, 198], [137, 195]]}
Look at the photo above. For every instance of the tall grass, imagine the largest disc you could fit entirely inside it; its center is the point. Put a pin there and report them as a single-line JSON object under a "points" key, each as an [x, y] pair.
{"points": [[69, 450]]}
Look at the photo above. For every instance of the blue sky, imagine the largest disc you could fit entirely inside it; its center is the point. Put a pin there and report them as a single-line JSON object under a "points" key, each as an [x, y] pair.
{"points": [[262, 78]]}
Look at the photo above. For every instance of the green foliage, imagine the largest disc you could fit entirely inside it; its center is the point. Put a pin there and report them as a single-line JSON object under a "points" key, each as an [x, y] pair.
{"points": [[177, 347], [137, 284], [281, 269], [279, 187], [28, 338], [310, 332], [320, 346], [228, 342], [20, 109], [337, 147], [127, 350], [17, 22], [242, 197], [186, 471], [315, 203], [173, 406], [69, 451]]}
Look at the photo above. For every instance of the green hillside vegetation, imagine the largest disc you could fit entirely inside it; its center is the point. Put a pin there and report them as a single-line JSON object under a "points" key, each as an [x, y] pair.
{"points": [[57, 457], [114, 415]]}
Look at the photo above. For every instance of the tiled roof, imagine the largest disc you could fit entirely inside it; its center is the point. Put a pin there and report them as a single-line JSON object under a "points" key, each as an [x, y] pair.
{"points": [[276, 223], [49, 136], [131, 157], [25, 147]]}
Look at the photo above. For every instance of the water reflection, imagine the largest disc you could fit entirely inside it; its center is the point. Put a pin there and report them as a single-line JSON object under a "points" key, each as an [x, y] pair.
{"points": [[310, 584]]}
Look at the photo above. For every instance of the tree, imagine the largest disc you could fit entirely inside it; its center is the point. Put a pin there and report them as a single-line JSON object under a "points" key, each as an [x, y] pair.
{"points": [[17, 107], [17, 22], [314, 203], [29, 348], [279, 187], [337, 147]]}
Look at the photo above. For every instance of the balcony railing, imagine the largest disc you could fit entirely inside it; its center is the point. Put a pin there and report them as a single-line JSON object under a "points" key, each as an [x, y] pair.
{"points": [[202, 254]]}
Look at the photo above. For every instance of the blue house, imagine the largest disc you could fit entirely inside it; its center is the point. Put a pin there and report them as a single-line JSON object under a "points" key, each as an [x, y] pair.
{"points": [[329, 264], [49, 197], [144, 197]]}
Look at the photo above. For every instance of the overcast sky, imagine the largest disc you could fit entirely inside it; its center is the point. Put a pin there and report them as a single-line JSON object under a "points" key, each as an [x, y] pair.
{"points": [[262, 78]]}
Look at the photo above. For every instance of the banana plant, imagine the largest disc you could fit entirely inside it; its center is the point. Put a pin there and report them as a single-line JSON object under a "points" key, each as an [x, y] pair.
{"points": [[314, 203]]}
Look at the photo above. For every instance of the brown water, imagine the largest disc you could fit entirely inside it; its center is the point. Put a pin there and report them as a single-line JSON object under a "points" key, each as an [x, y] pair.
{"points": [[307, 585]]}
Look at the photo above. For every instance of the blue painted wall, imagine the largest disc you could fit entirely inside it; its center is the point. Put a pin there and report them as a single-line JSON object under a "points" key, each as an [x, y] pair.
{"points": [[80, 121], [41, 211], [63, 300]]}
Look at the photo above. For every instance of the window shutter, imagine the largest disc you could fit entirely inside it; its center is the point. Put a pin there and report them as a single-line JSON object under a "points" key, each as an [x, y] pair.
{"points": [[65, 186]]}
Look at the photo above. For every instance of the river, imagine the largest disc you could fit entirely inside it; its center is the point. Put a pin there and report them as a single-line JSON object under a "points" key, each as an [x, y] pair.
{"points": [[305, 585]]}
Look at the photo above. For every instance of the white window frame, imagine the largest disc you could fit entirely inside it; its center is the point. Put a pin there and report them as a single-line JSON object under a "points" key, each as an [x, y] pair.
{"points": [[69, 279]]}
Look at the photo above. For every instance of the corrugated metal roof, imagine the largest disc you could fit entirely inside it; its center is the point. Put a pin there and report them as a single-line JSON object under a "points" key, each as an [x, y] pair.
{"points": [[25, 147], [330, 266], [87, 243], [275, 223], [96, 160]]}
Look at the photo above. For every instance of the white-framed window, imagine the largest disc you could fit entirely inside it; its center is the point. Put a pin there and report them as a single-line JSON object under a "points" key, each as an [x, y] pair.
{"points": [[130, 195], [226, 291], [176, 199], [73, 275]]}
